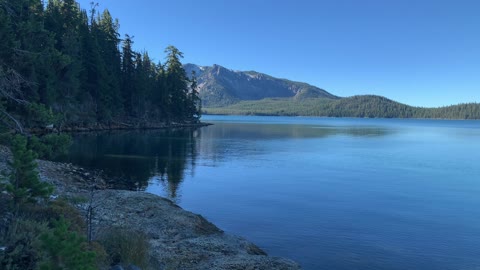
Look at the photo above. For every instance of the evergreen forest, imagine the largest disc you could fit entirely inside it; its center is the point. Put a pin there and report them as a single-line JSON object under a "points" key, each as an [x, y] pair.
{"points": [[365, 106], [64, 65]]}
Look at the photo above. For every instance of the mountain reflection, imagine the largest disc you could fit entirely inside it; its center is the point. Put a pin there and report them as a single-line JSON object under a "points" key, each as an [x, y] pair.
{"points": [[224, 141], [287, 131], [131, 159]]}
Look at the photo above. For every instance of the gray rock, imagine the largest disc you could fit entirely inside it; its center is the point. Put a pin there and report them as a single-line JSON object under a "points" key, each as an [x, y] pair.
{"points": [[180, 239], [133, 267]]}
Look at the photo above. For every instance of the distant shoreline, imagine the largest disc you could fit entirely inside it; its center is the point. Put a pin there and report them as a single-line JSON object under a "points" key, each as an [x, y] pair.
{"points": [[342, 117], [366, 106]]}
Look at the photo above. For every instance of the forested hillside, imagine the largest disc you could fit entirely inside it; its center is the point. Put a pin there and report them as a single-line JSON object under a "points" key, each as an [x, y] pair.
{"points": [[61, 64], [369, 106]]}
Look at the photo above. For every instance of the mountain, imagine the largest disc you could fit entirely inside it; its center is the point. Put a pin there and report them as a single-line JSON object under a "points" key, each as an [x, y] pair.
{"points": [[219, 86], [225, 91]]}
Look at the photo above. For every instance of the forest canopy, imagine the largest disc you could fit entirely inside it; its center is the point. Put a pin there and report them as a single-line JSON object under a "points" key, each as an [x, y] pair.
{"points": [[62, 64]]}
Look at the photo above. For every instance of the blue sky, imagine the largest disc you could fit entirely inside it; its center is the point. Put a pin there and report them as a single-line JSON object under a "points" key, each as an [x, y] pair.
{"points": [[424, 53]]}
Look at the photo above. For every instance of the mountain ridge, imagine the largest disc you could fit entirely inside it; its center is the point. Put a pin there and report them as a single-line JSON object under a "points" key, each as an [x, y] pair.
{"points": [[226, 91], [219, 86]]}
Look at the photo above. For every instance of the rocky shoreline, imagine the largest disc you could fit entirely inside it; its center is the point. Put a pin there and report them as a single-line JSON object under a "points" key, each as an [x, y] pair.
{"points": [[116, 126], [178, 238]]}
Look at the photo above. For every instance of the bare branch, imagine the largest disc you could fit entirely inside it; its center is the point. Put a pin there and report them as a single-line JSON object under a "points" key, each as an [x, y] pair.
{"points": [[10, 86], [10, 89], [18, 125]]}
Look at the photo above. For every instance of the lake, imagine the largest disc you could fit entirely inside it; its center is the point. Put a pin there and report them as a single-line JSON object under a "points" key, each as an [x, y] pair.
{"points": [[329, 193]]}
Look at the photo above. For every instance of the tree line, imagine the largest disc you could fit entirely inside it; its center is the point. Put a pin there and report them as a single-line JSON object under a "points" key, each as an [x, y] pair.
{"points": [[365, 106], [70, 66]]}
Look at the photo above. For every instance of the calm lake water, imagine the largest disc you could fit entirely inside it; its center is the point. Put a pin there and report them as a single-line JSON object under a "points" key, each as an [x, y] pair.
{"points": [[329, 193]]}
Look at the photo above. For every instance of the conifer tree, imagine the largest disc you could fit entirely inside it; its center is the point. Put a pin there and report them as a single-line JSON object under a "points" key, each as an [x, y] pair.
{"points": [[177, 86], [108, 42], [66, 64], [24, 184], [128, 74], [195, 103], [65, 249]]}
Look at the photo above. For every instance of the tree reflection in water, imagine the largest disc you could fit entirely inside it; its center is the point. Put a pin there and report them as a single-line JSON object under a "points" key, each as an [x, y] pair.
{"points": [[131, 158]]}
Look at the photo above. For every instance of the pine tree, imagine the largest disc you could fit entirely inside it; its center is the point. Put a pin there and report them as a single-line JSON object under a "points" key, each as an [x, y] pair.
{"points": [[128, 74], [63, 18], [195, 103], [7, 38], [149, 77], [24, 184], [159, 94], [177, 87], [65, 249], [108, 41], [93, 66]]}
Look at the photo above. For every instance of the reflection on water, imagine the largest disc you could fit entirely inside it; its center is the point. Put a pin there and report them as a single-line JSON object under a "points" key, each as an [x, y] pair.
{"points": [[281, 131], [226, 141], [133, 159], [328, 193]]}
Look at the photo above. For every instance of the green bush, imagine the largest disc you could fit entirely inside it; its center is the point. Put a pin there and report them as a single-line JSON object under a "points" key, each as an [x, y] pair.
{"points": [[31, 243], [65, 249], [24, 184], [50, 145], [38, 115], [56, 210], [125, 246], [101, 256], [22, 244]]}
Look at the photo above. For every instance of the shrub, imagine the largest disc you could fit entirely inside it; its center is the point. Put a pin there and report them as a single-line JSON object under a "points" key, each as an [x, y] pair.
{"points": [[55, 210], [65, 249], [125, 246], [50, 145], [21, 241], [38, 115], [24, 184]]}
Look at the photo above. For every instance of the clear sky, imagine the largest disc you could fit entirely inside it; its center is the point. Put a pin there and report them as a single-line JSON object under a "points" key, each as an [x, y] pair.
{"points": [[419, 52]]}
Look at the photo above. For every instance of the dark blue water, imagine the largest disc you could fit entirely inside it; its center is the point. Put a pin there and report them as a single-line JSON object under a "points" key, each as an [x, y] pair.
{"points": [[328, 193]]}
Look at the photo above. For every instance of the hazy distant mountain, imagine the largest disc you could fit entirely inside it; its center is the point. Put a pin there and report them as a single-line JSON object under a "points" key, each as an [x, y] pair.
{"points": [[219, 86]]}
